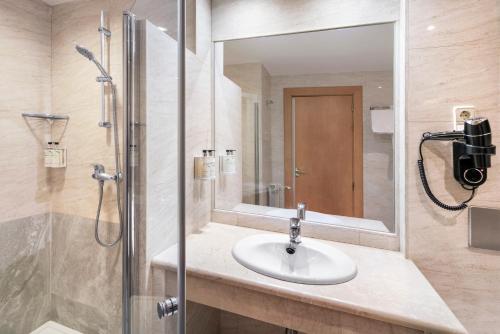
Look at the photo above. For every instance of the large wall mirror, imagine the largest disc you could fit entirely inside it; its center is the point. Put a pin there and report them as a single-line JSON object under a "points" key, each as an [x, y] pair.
{"points": [[309, 118]]}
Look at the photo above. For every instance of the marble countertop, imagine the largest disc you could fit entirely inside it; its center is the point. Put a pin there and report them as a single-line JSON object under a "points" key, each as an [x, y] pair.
{"points": [[388, 287]]}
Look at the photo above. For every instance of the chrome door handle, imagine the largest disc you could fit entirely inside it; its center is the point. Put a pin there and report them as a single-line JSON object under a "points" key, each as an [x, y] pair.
{"points": [[299, 172], [167, 307]]}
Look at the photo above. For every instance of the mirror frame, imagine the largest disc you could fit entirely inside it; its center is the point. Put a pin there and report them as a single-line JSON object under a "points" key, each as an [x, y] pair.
{"points": [[399, 93]]}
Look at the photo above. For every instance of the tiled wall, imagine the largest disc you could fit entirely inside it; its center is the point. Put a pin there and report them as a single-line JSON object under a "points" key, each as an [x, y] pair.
{"points": [[456, 63], [76, 93], [254, 81], [24, 273], [25, 39], [86, 278], [25, 58], [228, 98], [234, 19]]}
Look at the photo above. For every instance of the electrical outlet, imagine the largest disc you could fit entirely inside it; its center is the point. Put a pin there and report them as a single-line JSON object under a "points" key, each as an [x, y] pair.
{"points": [[461, 114]]}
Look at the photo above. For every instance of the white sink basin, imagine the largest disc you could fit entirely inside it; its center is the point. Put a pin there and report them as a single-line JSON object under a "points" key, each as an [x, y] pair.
{"points": [[312, 263]]}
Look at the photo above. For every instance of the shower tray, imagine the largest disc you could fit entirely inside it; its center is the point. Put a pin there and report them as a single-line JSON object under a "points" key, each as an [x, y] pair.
{"points": [[52, 327]]}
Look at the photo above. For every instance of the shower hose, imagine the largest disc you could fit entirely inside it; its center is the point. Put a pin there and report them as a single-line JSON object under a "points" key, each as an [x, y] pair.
{"points": [[117, 180]]}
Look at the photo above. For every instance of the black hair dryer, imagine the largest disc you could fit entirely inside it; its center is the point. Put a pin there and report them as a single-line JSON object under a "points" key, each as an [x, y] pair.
{"points": [[472, 151]]}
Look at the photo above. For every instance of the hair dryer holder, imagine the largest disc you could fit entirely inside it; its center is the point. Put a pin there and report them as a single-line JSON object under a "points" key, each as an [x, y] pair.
{"points": [[470, 163]]}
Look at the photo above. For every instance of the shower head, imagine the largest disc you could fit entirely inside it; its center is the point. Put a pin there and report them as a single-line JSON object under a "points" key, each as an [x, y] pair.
{"points": [[90, 56], [85, 52]]}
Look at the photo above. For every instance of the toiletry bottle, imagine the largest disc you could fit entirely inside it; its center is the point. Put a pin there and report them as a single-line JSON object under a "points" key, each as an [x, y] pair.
{"points": [[59, 155], [205, 165], [228, 163], [48, 155]]}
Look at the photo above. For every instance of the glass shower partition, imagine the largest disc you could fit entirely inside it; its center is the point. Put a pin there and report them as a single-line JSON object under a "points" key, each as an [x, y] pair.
{"points": [[154, 104]]}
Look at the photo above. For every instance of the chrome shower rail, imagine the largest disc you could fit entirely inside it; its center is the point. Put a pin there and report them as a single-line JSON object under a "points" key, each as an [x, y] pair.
{"points": [[104, 35]]}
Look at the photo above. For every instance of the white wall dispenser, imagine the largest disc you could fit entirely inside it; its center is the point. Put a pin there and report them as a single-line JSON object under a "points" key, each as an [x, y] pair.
{"points": [[228, 163], [204, 166], [382, 119]]}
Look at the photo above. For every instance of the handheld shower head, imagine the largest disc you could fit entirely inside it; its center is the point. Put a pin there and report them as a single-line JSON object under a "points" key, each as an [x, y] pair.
{"points": [[85, 52], [90, 56]]}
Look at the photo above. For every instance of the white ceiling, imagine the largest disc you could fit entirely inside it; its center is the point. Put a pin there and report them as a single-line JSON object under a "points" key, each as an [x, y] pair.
{"points": [[56, 2], [366, 48]]}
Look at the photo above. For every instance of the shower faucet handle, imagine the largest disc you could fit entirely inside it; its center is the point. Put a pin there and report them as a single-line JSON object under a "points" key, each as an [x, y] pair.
{"points": [[100, 174]]}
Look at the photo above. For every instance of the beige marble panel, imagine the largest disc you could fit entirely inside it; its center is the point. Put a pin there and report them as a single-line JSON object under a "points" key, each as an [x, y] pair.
{"points": [[85, 277], [75, 92], [24, 273], [228, 122], [202, 319], [240, 18], [253, 80], [25, 39], [453, 58], [354, 236], [198, 118], [283, 312], [231, 323]]}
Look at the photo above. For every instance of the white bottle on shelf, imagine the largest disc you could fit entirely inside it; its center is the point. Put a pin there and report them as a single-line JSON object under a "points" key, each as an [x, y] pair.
{"points": [[228, 163], [204, 166]]}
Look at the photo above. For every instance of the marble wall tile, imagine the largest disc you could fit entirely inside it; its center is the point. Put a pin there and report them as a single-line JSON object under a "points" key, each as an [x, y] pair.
{"points": [[231, 323], [157, 141], [314, 230], [459, 58], [255, 84], [85, 277], [24, 273], [234, 19], [75, 92], [25, 38], [228, 135], [198, 118], [202, 319]]}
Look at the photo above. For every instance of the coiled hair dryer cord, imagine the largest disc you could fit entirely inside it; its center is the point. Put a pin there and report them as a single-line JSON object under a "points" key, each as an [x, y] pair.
{"points": [[428, 191]]}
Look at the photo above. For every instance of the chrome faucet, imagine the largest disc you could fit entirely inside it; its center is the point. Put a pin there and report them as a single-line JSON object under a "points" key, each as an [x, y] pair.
{"points": [[100, 174], [301, 211], [295, 226]]}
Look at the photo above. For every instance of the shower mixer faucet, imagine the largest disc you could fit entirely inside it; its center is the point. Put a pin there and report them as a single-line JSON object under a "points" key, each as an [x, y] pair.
{"points": [[101, 175]]}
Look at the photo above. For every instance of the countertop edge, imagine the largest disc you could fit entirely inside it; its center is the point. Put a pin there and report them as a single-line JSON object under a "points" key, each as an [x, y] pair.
{"points": [[337, 305]]}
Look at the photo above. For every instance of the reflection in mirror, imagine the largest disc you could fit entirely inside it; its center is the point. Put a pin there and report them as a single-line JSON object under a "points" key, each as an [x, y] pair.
{"points": [[311, 118]]}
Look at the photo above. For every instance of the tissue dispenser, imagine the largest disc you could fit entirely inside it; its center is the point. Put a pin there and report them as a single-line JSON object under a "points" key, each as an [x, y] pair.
{"points": [[382, 120]]}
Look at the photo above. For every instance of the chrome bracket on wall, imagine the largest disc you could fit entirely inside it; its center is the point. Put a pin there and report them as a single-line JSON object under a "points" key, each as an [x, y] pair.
{"points": [[167, 308]]}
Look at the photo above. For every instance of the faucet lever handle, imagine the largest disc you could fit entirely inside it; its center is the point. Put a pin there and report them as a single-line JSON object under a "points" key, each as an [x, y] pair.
{"points": [[301, 210]]}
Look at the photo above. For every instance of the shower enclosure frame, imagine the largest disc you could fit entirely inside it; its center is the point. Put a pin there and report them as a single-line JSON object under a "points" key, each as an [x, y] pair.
{"points": [[129, 134]]}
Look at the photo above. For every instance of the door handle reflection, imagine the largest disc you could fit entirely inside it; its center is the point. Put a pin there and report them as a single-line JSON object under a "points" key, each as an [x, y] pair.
{"points": [[299, 172]]}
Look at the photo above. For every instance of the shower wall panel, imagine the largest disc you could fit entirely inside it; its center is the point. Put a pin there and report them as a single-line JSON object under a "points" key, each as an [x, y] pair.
{"points": [[25, 40]]}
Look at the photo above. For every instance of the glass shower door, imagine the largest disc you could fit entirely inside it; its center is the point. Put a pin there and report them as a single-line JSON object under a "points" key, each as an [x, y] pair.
{"points": [[152, 139]]}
